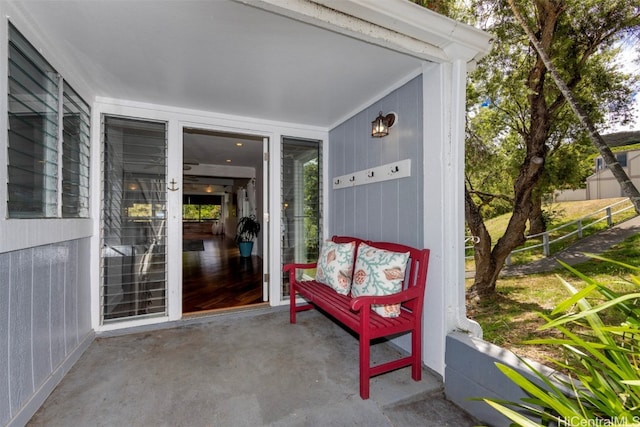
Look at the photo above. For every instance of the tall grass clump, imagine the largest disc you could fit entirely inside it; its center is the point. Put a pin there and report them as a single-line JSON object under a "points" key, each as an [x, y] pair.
{"points": [[599, 331]]}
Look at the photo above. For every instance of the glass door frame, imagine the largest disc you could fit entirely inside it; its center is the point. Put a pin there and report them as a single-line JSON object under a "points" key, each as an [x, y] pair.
{"points": [[175, 166], [177, 120]]}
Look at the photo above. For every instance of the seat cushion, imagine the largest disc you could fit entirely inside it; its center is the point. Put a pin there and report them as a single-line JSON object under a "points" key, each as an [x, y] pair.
{"points": [[379, 272], [335, 265]]}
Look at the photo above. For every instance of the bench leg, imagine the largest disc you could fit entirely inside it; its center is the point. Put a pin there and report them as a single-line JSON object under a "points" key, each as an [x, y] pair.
{"points": [[292, 304], [365, 355], [416, 354]]}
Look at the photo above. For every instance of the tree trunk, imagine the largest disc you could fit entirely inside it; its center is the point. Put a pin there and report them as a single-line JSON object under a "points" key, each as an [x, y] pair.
{"points": [[484, 282], [489, 262], [610, 160], [537, 221]]}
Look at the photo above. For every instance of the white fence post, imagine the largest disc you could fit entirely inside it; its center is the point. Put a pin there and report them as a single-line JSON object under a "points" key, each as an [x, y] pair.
{"points": [[609, 217], [580, 229], [545, 242]]}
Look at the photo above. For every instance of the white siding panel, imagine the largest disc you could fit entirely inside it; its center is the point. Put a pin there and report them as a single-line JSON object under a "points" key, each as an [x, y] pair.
{"points": [[5, 285], [20, 339], [66, 254], [41, 315], [58, 346], [44, 308], [81, 260]]}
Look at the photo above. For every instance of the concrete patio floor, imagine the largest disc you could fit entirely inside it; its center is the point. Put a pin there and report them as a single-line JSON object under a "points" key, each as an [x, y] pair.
{"points": [[249, 368]]}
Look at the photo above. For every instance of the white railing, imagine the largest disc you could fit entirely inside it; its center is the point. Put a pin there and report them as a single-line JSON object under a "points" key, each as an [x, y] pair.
{"points": [[603, 214]]}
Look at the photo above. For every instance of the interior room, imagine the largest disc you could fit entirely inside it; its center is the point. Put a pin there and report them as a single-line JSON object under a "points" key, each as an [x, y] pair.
{"points": [[219, 188]]}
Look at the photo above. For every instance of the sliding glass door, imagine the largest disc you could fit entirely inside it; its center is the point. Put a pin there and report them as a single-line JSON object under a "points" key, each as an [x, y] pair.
{"points": [[134, 212]]}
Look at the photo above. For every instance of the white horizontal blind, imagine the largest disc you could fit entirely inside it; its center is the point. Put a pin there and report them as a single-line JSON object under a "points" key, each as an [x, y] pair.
{"points": [[133, 259], [33, 131], [75, 154]]}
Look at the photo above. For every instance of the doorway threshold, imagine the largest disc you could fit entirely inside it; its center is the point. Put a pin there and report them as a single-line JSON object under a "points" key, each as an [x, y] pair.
{"points": [[221, 311], [200, 317]]}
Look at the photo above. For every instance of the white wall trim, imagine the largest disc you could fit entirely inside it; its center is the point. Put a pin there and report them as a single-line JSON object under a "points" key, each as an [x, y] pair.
{"points": [[454, 278], [27, 233], [199, 118], [417, 24], [4, 119]]}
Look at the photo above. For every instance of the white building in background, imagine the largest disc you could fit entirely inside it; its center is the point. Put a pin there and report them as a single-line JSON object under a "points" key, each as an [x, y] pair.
{"points": [[602, 184]]}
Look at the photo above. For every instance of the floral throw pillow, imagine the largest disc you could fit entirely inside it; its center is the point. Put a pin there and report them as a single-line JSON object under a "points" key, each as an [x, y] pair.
{"points": [[335, 264], [379, 272]]}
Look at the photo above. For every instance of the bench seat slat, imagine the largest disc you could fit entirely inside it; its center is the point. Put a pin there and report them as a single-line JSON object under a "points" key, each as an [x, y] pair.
{"points": [[338, 306]]}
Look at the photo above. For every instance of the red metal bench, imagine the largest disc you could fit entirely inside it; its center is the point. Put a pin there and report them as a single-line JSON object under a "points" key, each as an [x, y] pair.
{"points": [[357, 315]]}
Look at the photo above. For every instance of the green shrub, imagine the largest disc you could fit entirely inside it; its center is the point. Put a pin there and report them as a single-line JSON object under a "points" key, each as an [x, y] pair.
{"points": [[602, 360]]}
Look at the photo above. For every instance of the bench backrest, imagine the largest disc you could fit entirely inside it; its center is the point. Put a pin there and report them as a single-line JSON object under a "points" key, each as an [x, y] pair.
{"points": [[417, 266]]}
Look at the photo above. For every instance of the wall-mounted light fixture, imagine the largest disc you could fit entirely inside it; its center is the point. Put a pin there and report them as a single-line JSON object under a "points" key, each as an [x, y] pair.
{"points": [[380, 126]]}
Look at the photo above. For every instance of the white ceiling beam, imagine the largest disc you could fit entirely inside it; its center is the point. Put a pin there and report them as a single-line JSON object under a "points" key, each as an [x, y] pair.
{"points": [[342, 22]]}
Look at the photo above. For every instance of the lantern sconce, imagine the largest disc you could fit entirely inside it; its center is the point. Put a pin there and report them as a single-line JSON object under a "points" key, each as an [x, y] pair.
{"points": [[381, 125]]}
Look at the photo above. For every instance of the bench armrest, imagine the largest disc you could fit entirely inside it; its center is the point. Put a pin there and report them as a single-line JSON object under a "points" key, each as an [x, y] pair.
{"points": [[367, 300], [293, 267]]}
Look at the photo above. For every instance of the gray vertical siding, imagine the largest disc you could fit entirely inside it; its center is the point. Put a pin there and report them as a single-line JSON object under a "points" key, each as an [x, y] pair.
{"points": [[389, 210], [5, 402], [44, 316]]}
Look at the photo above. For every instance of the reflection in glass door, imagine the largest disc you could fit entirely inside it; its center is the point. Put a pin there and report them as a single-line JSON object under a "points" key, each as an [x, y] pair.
{"points": [[133, 225], [301, 196]]}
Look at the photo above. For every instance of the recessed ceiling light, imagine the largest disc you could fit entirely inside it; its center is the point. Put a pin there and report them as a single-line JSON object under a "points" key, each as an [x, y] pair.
{"points": [[238, 144], [228, 160]]}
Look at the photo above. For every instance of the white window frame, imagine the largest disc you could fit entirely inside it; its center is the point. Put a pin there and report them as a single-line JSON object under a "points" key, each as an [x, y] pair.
{"points": [[21, 233]]}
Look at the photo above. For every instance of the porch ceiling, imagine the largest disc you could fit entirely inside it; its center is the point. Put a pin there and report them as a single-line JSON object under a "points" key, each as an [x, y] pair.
{"points": [[219, 56]]}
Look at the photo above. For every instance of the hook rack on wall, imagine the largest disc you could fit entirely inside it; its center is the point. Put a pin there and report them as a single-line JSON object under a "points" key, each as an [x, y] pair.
{"points": [[386, 172]]}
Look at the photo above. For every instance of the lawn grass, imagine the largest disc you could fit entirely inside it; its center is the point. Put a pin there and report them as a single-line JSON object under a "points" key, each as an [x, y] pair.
{"points": [[511, 316]]}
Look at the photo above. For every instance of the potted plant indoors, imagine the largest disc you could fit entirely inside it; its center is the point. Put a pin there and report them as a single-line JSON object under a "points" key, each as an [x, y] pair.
{"points": [[247, 231]]}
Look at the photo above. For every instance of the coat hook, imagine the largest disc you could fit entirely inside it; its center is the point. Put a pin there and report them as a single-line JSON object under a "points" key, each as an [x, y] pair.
{"points": [[173, 185], [336, 182], [353, 178], [395, 169], [370, 174]]}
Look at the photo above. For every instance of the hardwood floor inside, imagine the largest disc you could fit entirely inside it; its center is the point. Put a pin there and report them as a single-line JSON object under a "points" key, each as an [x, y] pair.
{"points": [[218, 277]]}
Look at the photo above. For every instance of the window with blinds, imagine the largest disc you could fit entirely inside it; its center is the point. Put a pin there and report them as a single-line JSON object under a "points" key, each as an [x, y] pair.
{"points": [[33, 132], [40, 103], [134, 211], [76, 122]]}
